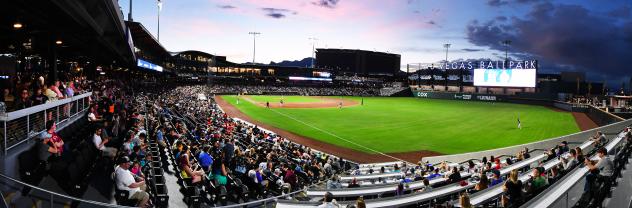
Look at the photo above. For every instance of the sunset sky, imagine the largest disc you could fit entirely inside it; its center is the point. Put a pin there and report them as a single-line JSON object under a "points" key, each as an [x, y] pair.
{"points": [[594, 36]]}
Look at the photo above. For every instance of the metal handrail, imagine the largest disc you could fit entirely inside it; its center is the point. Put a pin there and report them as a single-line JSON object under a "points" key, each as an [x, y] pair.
{"points": [[52, 193], [24, 112], [4, 202]]}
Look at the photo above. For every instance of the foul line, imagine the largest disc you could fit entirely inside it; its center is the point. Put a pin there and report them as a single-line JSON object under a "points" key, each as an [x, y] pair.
{"points": [[334, 135]]}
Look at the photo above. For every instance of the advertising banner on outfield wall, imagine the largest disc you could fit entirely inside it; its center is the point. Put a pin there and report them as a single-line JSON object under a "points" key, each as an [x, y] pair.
{"points": [[459, 96]]}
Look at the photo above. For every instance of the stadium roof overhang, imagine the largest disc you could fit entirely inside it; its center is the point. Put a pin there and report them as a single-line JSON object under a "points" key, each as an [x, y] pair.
{"points": [[92, 29], [145, 41]]}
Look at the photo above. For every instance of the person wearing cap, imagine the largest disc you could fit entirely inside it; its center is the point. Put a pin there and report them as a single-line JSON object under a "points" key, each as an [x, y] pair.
{"points": [[496, 179], [127, 181]]}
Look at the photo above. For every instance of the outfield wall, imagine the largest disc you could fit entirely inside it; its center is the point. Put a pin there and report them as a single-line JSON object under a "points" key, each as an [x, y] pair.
{"points": [[575, 139]]}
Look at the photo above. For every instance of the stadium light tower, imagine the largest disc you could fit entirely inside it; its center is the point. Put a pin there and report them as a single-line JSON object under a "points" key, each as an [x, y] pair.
{"points": [[313, 49], [506, 43], [159, 9], [446, 46], [254, 44]]}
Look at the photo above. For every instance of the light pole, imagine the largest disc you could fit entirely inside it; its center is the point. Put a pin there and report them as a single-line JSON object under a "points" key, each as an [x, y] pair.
{"points": [[446, 46], [506, 43], [129, 15], [313, 49], [254, 44], [159, 9], [445, 67]]}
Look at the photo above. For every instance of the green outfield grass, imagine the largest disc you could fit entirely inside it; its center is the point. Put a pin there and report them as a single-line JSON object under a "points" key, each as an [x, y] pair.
{"points": [[286, 99], [409, 124]]}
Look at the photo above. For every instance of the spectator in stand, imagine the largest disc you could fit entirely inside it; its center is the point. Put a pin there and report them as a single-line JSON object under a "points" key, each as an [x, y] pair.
{"points": [[513, 190], [47, 150], [185, 165], [24, 101], [482, 184], [55, 139], [205, 159], [599, 139], [434, 175], [400, 189], [554, 175], [570, 162], [563, 147], [39, 97], [70, 89], [329, 201], [538, 181], [427, 187], [290, 177], [50, 94], [464, 201], [92, 116], [497, 164], [526, 154], [360, 202], [8, 98], [455, 176], [160, 137], [603, 168], [334, 183], [218, 171], [257, 178], [496, 179], [100, 143], [354, 183], [127, 181]]}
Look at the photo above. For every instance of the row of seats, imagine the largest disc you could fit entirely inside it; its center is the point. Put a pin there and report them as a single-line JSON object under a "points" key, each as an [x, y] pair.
{"points": [[601, 188], [72, 170]]}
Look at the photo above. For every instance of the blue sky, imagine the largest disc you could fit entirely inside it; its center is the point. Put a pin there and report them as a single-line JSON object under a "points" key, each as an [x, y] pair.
{"points": [[563, 35]]}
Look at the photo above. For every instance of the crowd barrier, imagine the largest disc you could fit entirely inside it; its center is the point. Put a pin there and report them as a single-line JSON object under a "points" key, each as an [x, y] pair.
{"points": [[19, 126]]}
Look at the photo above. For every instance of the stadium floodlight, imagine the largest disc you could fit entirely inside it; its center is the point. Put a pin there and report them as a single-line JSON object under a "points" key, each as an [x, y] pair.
{"points": [[446, 46], [313, 49], [254, 44], [159, 9], [506, 43]]}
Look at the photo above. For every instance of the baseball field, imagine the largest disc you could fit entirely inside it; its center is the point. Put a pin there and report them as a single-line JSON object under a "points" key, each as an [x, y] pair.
{"points": [[398, 125]]}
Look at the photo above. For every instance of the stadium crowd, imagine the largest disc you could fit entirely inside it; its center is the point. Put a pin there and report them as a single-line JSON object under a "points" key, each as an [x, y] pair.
{"points": [[292, 90], [215, 151], [31, 90]]}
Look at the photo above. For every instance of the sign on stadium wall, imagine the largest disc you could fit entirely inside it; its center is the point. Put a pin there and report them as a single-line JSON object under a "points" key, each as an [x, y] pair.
{"points": [[459, 96]]}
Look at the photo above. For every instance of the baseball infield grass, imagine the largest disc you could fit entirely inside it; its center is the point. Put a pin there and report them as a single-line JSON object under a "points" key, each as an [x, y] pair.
{"points": [[392, 125]]}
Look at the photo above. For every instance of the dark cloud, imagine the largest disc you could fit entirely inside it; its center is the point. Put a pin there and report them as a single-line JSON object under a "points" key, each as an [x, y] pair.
{"points": [[431, 22], [552, 34], [501, 18], [226, 6], [278, 13], [621, 12], [472, 49], [527, 1], [497, 3], [326, 3], [275, 15]]}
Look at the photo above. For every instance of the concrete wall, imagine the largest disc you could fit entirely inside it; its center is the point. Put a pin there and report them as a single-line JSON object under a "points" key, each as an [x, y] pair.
{"points": [[577, 138]]}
